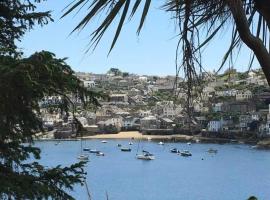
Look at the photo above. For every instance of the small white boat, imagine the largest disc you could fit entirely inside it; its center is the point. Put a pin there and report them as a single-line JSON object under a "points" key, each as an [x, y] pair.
{"points": [[86, 149], [161, 143], [189, 143], [197, 141], [145, 156], [149, 139], [174, 150], [99, 153], [103, 141], [93, 151], [130, 143], [185, 153], [83, 157]]}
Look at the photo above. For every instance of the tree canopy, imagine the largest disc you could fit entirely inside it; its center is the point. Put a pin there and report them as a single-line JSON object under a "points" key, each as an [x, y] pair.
{"points": [[24, 81]]}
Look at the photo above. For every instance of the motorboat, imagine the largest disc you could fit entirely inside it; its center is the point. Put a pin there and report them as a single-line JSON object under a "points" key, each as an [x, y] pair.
{"points": [[185, 153], [161, 143], [93, 151], [103, 141], [146, 156], [126, 149], [86, 149], [130, 143], [119, 145], [174, 150], [212, 150], [83, 157], [189, 143], [99, 153]]}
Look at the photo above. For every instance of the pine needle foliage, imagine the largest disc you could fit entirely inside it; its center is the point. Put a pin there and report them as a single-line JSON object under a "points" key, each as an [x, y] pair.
{"points": [[24, 81]]}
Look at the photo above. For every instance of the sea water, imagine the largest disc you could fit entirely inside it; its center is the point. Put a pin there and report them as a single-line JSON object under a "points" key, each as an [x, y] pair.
{"points": [[236, 172]]}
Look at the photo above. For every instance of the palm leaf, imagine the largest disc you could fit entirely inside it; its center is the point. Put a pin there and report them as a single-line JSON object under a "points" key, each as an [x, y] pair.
{"points": [[124, 13], [145, 11]]}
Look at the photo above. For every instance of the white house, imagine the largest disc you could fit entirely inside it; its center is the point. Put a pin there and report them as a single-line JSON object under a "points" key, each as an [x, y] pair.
{"points": [[243, 95], [118, 98], [167, 109], [89, 84], [145, 113], [215, 125], [143, 78], [130, 122], [217, 107], [150, 122]]}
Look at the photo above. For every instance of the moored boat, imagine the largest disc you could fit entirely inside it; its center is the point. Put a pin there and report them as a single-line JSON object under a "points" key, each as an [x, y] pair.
{"points": [[161, 143], [125, 149], [83, 157], [99, 153], [104, 141], [174, 150], [146, 156], [185, 153], [86, 149], [93, 151]]}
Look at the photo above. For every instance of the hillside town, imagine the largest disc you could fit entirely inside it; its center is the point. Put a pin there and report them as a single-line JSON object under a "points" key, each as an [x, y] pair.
{"points": [[226, 105]]}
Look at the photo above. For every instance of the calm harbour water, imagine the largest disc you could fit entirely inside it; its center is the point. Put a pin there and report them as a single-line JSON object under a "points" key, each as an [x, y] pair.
{"points": [[234, 173]]}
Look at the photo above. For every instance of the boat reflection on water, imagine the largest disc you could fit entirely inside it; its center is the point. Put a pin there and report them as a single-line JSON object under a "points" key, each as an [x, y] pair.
{"points": [[212, 150]]}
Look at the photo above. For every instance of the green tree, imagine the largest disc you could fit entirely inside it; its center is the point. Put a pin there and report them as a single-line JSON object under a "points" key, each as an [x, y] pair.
{"points": [[24, 81]]}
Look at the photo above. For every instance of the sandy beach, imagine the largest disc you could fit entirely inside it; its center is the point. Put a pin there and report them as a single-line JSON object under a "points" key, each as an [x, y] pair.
{"points": [[177, 138], [138, 135]]}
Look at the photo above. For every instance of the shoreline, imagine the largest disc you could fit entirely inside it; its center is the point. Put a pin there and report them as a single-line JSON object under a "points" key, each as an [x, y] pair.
{"points": [[176, 137], [171, 138]]}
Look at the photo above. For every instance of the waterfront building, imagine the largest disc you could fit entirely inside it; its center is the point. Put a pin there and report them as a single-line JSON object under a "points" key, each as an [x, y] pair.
{"points": [[215, 125], [150, 122]]}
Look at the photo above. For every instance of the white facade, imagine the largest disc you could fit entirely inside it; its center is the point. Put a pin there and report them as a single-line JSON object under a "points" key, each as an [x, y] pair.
{"points": [[226, 93], [89, 84], [217, 107], [215, 125], [129, 122], [243, 95], [150, 122]]}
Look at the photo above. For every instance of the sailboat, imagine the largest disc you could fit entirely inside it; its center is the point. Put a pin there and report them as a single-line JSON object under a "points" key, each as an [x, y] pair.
{"points": [[145, 155], [83, 157]]}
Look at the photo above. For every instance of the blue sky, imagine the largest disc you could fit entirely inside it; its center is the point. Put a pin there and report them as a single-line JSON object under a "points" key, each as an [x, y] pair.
{"points": [[150, 53]]}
